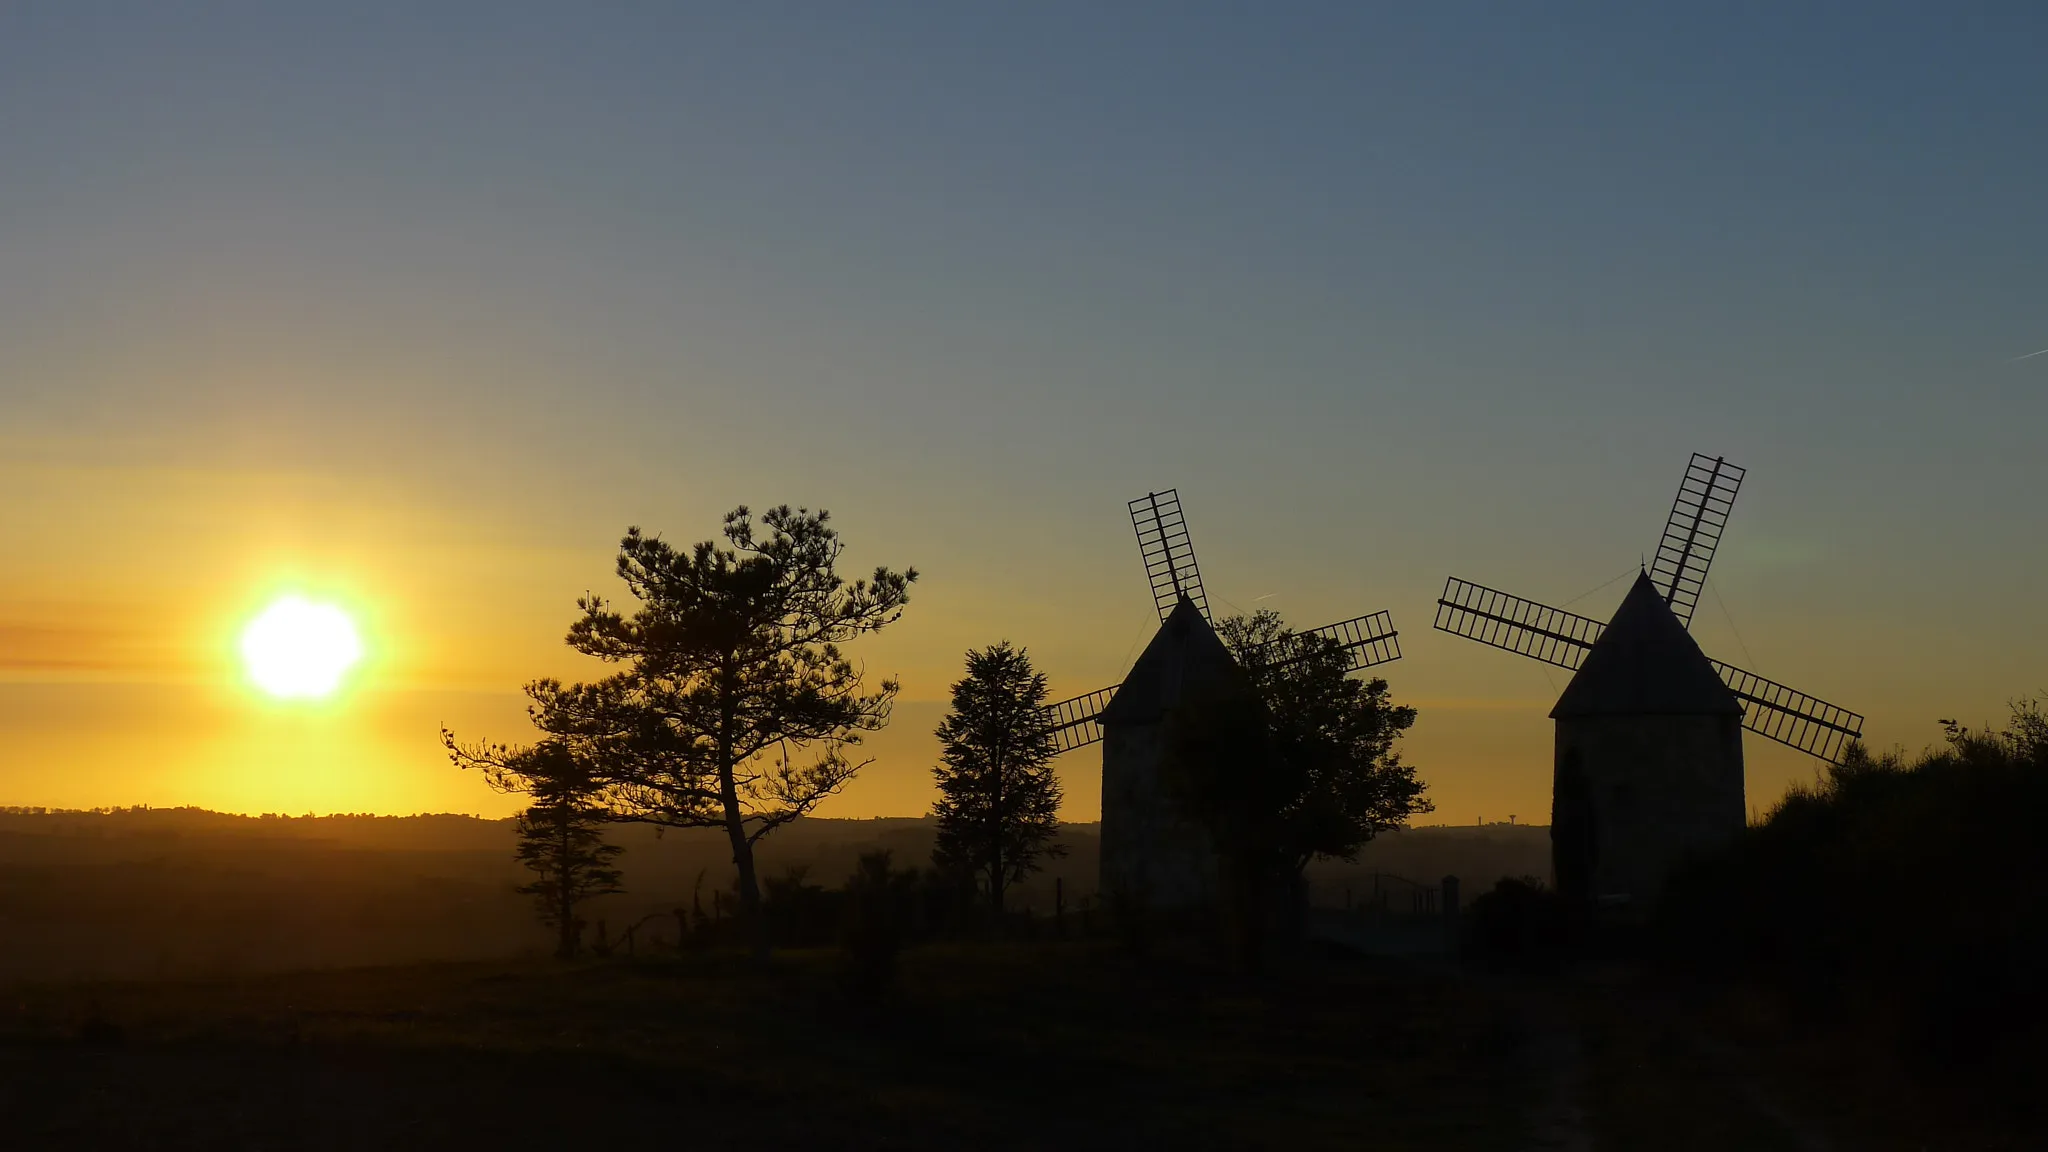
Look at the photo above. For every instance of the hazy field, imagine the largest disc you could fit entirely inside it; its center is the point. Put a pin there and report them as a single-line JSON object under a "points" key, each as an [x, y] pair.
{"points": [[182, 892]]}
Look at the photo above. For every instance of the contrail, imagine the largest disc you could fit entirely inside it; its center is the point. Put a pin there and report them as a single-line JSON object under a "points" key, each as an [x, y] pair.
{"points": [[2028, 356]]}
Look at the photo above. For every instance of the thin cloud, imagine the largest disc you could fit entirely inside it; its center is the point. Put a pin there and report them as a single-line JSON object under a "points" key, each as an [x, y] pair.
{"points": [[29, 649]]}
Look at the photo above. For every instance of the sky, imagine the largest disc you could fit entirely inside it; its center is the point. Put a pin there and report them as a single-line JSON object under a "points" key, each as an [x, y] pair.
{"points": [[416, 307]]}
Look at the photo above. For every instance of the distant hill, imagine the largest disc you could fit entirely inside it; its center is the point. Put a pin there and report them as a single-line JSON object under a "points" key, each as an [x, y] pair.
{"points": [[139, 892]]}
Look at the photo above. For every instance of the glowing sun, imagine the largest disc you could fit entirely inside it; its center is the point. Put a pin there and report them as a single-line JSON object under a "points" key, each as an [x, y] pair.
{"points": [[299, 649]]}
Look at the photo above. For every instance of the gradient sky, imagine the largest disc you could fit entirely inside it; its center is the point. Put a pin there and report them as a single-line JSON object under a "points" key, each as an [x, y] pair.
{"points": [[418, 306]]}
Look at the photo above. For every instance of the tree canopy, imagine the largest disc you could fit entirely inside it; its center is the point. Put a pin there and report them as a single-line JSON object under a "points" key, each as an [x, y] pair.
{"points": [[998, 806], [1309, 767], [1302, 767], [733, 705]]}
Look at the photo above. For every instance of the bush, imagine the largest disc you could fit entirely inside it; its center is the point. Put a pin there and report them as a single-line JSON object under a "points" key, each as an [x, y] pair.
{"points": [[875, 924], [1906, 896], [1520, 925], [800, 914]]}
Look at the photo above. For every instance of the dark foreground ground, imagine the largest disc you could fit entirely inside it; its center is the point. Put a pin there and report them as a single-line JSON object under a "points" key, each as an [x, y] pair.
{"points": [[1052, 1045], [1026, 1046]]}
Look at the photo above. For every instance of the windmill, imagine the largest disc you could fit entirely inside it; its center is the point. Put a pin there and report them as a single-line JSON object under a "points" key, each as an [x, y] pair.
{"points": [[1692, 533], [1649, 750], [1170, 569], [1150, 856]]}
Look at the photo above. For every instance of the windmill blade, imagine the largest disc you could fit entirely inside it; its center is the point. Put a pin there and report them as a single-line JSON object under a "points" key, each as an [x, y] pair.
{"points": [[1537, 631], [1367, 640], [1077, 722], [1698, 517], [1169, 554], [1790, 717]]}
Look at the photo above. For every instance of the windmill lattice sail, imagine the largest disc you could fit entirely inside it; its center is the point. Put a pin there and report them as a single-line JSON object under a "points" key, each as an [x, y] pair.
{"points": [[1554, 636], [1367, 640], [1537, 631], [1791, 717], [1076, 722], [1169, 554], [1169, 557], [1698, 518]]}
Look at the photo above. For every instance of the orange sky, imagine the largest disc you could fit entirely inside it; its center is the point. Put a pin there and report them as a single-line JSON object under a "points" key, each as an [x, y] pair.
{"points": [[121, 684]]}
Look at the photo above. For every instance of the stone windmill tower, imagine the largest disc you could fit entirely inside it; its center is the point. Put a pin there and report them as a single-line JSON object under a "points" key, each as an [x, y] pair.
{"points": [[1148, 853], [1649, 744]]}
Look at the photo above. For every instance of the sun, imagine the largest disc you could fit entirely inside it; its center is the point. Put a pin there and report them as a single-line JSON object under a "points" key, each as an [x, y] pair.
{"points": [[299, 649]]}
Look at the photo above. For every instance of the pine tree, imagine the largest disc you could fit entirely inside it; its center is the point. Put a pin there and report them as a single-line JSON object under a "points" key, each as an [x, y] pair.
{"points": [[729, 670], [564, 845], [561, 835], [998, 807]]}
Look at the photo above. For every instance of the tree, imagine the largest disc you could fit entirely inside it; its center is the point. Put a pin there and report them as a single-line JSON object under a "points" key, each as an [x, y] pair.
{"points": [[998, 806], [1342, 781], [730, 669], [1304, 767], [561, 835]]}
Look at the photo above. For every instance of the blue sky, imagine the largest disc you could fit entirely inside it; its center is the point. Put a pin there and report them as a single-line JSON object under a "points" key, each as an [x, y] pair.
{"points": [[1389, 293]]}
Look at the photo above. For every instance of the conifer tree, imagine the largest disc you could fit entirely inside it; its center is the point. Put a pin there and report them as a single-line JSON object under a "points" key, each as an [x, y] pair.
{"points": [[561, 837], [998, 806]]}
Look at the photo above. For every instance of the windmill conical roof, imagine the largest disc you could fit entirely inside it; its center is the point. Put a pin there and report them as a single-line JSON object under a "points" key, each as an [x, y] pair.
{"points": [[1186, 662], [1645, 663]]}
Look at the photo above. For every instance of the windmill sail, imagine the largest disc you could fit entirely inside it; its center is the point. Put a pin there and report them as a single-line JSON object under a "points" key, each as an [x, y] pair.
{"points": [[1367, 640], [1554, 636], [1537, 631], [1077, 722], [1698, 517], [1169, 557], [1791, 717], [1169, 554]]}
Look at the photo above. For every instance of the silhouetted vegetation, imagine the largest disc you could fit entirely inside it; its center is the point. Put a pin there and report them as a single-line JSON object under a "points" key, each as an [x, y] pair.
{"points": [[879, 906], [1518, 925], [1902, 899], [731, 666], [998, 806], [1304, 769], [166, 891], [561, 839]]}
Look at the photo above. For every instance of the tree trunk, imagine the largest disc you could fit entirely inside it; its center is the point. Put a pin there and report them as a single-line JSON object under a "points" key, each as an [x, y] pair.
{"points": [[571, 935], [995, 840], [743, 859], [736, 824]]}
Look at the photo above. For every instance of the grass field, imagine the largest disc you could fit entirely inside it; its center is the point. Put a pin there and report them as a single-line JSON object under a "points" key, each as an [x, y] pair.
{"points": [[1048, 1045]]}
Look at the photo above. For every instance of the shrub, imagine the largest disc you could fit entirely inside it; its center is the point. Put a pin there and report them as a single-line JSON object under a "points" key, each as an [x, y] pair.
{"points": [[1520, 925], [873, 928], [1906, 895]]}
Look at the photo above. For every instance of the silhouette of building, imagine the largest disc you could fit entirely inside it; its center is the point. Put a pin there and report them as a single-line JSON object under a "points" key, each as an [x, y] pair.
{"points": [[1150, 855], [1649, 758]]}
